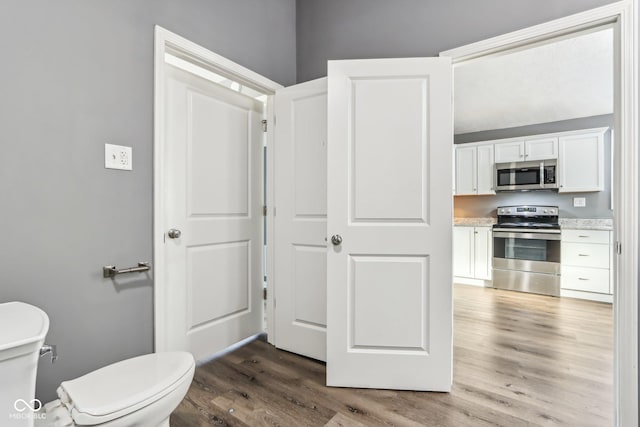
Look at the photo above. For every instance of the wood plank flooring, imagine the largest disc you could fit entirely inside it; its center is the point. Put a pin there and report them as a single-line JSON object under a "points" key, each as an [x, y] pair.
{"points": [[519, 360]]}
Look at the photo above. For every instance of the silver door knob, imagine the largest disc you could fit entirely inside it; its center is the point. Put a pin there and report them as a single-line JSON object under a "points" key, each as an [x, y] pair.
{"points": [[174, 233], [336, 239]]}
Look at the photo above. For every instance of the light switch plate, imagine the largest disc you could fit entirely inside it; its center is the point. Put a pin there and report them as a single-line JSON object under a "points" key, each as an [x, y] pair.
{"points": [[118, 157], [579, 202]]}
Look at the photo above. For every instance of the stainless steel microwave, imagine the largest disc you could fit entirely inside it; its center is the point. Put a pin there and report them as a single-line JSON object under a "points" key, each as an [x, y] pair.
{"points": [[538, 175]]}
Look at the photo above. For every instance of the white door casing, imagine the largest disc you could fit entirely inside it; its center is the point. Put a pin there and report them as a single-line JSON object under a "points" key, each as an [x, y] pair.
{"points": [[389, 314], [301, 220], [213, 160]]}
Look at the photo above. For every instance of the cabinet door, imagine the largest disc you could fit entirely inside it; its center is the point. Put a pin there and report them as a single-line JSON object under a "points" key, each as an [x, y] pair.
{"points": [[509, 151], [541, 149], [581, 163], [484, 168], [466, 170], [483, 253], [463, 248]]}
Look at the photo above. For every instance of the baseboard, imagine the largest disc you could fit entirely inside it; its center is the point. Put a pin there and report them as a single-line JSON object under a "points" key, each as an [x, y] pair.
{"points": [[472, 282], [567, 293]]}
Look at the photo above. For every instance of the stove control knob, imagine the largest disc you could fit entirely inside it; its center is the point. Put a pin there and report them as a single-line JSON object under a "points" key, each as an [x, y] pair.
{"points": [[546, 211]]}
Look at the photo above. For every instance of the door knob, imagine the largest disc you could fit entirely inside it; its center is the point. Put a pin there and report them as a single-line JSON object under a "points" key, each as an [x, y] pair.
{"points": [[336, 239], [174, 233]]}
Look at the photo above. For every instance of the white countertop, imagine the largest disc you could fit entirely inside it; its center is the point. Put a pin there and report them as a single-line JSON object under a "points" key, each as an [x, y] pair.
{"points": [[586, 224], [474, 222], [566, 223]]}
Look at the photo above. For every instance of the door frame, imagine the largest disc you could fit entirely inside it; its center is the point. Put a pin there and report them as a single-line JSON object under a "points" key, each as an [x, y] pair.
{"points": [[167, 41], [623, 16]]}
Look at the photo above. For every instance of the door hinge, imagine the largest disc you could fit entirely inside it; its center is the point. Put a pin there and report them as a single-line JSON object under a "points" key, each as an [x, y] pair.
{"points": [[264, 210], [264, 294], [264, 126], [619, 248]]}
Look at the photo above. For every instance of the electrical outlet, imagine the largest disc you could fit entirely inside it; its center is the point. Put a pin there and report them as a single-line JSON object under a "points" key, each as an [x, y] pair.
{"points": [[579, 202], [118, 157]]}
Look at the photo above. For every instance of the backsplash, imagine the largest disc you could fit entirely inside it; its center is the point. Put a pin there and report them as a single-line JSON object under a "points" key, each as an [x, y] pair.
{"points": [[598, 204]]}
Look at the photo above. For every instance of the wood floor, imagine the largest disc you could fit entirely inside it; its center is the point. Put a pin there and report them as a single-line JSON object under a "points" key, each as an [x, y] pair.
{"points": [[519, 360]]}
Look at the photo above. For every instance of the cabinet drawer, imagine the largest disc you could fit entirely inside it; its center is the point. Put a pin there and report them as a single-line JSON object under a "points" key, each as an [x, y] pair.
{"points": [[586, 236], [585, 279], [585, 255]]}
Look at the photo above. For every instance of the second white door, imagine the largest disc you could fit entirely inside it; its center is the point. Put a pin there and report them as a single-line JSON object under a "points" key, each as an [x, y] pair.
{"points": [[301, 219]]}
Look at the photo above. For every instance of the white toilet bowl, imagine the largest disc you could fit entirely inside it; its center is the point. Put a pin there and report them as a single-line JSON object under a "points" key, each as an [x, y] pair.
{"points": [[142, 391]]}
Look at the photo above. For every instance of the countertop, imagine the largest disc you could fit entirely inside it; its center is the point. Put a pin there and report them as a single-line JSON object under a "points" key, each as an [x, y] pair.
{"points": [[586, 224], [474, 222], [566, 223]]}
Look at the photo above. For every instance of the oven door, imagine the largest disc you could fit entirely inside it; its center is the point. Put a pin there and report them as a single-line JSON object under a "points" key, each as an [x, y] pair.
{"points": [[531, 250]]}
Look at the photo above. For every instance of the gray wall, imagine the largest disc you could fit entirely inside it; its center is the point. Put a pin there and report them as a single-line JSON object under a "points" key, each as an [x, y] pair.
{"points": [[353, 29], [77, 74], [598, 203]]}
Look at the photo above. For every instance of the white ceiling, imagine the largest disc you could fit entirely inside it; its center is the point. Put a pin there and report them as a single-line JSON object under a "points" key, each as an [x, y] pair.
{"points": [[566, 79]]}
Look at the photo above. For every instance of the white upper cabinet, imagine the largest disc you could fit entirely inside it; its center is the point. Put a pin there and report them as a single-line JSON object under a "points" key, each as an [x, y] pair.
{"points": [[581, 162], [466, 182], [484, 169], [507, 152], [474, 169], [526, 150], [541, 149]]}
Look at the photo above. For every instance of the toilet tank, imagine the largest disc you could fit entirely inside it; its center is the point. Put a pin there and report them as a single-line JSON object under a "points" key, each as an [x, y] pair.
{"points": [[23, 328]]}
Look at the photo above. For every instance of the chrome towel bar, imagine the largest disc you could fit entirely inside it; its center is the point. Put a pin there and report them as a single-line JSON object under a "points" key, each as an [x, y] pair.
{"points": [[112, 271]]}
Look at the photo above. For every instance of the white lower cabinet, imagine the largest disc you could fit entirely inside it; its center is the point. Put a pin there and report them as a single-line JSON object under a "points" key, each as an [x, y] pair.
{"points": [[586, 264], [472, 253]]}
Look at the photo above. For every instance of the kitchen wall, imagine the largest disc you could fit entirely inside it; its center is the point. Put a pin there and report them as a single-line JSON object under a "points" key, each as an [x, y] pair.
{"points": [[78, 74], [598, 203], [353, 29]]}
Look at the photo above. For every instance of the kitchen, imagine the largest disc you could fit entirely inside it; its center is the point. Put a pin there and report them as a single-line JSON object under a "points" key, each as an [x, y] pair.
{"points": [[533, 200]]}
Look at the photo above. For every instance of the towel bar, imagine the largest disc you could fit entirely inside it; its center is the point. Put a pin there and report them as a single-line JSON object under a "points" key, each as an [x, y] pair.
{"points": [[112, 271]]}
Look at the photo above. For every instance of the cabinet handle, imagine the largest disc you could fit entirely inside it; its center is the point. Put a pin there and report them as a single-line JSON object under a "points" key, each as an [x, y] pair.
{"points": [[582, 278], [583, 255], [585, 237]]}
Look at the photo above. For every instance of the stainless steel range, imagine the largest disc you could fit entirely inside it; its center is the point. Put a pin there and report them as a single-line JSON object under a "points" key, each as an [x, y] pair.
{"points": [[526, 249]]}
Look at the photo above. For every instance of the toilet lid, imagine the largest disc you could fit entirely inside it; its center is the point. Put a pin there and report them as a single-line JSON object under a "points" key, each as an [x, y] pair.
{"points": [[121, 388], [28, 324]]}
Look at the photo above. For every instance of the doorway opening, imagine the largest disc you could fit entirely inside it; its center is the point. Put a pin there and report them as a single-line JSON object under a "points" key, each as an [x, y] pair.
{"points": [[622, 200]]}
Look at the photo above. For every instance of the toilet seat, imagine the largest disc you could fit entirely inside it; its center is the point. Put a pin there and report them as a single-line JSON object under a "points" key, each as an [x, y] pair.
{"points": [[124, 387]]}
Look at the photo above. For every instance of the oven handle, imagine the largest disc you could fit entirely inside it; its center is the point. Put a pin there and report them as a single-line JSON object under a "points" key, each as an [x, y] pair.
{"points": [[521, 235]]}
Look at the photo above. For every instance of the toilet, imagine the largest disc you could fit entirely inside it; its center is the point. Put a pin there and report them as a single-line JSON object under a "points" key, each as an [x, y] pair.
{"points": [[142, 391]]}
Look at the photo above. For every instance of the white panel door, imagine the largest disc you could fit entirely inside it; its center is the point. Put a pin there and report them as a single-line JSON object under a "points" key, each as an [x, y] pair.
{"points": [[301, 220], [389, 282], [213, 179]]}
